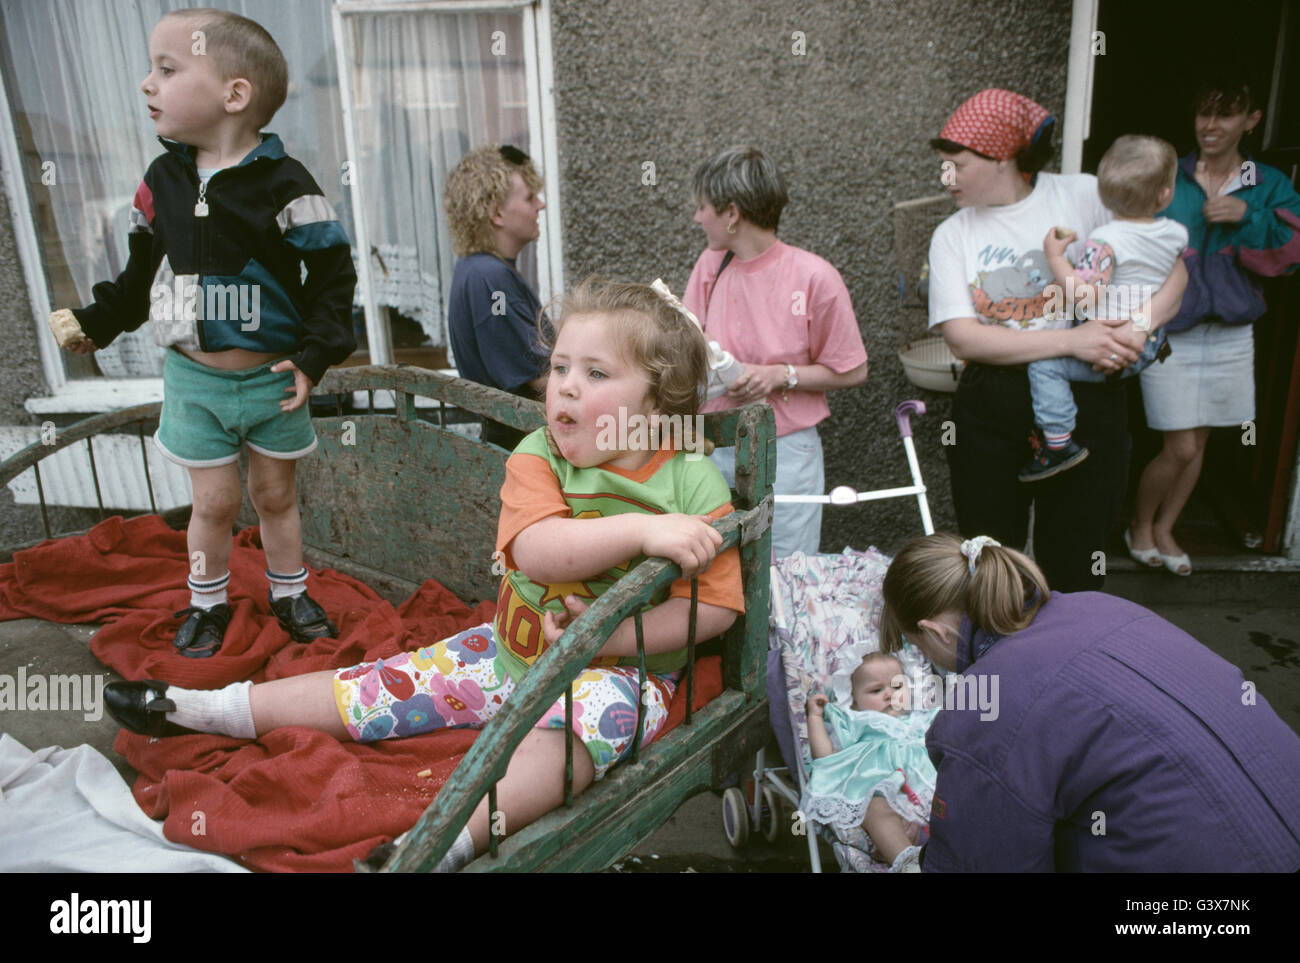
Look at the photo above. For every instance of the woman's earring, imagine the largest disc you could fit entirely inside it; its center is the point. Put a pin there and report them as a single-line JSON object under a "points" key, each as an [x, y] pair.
{"points": [[731, 229]]}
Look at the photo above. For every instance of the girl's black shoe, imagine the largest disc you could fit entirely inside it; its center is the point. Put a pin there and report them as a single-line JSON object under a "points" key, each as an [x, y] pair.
{"points": [[142, 708]]}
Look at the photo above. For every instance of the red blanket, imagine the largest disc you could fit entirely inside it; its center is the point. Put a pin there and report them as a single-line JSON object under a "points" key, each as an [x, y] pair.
{"points": [[295, 799]]}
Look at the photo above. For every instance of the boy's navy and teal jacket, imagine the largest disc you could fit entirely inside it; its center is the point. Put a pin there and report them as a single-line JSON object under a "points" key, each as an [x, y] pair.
{"points": [[1222, 259], [233, 279]]}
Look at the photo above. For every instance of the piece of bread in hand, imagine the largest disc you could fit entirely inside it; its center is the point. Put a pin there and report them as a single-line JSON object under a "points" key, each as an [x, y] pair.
{"points": [[1062, 233], [67, 330]]}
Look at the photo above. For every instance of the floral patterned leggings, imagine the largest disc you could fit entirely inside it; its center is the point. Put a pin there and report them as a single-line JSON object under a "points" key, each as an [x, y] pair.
{"points": [[461, 681]]}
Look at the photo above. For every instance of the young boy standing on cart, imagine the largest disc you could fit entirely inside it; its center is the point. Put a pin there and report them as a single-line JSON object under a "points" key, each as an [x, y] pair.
{"points": [[221, 227]]}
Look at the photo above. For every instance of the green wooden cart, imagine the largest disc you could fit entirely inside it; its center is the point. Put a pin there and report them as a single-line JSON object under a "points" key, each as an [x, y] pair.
{"points": [[396, 495]]}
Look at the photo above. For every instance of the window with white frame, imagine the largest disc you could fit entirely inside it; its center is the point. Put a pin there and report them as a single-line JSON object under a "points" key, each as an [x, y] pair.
{"points": [[423, 82]]}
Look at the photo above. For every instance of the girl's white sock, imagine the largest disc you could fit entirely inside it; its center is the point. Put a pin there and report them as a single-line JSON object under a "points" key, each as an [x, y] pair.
{"points": [[222, 712], [460, 855]]}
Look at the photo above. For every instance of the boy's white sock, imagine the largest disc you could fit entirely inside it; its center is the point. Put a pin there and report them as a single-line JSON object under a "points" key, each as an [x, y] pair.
{"points": [[206, 595], [460, 855], [286, 586], [222, 712]]}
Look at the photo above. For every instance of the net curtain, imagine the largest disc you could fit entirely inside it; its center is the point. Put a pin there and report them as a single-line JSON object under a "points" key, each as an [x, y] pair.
{"points": [[427, 87]]}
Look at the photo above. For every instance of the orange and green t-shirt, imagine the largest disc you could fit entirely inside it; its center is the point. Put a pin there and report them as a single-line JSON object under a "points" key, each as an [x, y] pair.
{"points": [[540, 484]]}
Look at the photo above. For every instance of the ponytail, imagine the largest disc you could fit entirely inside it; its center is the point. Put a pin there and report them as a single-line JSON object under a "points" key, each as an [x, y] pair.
{"points": [[1006, 591], [999, 588]]}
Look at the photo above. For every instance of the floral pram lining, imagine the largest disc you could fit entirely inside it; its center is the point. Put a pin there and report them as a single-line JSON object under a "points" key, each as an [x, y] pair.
{"points": [[838, 601]]}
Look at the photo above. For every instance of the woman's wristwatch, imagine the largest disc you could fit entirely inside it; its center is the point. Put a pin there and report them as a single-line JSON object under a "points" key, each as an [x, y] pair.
{"points": [[791, 381]]}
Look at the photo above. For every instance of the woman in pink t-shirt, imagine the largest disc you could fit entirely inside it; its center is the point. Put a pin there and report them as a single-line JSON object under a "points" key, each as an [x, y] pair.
{"points": [[785, 314]]}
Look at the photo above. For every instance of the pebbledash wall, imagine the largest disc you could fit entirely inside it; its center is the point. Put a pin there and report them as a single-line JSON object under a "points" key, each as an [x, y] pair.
{"points": [[848, 121], [843, 95]]}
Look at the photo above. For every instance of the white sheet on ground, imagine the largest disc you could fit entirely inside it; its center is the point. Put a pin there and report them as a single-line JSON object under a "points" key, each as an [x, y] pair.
{"points": [[68, 810]]}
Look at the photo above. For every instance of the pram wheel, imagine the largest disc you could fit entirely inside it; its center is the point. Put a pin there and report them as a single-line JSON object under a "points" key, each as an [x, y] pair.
{"points": [[769, 818], [735, 817]]}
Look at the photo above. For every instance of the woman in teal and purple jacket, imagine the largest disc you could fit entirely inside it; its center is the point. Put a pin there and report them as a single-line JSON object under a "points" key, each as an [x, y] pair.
{"points": [[1243, 223]]}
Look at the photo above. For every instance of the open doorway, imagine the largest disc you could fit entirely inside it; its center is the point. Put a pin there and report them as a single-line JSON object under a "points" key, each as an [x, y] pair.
{"points": [[1155, 55]]}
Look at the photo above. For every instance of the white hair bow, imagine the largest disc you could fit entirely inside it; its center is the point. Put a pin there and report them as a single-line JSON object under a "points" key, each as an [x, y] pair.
{"points": [[723, 368], [662, 290]]}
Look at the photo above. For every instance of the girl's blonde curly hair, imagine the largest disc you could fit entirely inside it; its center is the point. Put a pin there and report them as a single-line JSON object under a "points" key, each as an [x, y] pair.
{"points": [[476, 188], [650, 333]]}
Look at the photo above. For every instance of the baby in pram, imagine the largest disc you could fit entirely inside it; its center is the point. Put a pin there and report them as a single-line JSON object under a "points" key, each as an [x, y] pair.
{"points": [[880, 777]]}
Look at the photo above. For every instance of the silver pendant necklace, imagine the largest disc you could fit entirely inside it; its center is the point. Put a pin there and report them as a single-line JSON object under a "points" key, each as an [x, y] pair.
{"points": [[201, 208]]}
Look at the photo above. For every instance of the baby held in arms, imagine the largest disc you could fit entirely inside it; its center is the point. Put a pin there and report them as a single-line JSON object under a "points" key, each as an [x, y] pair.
{"points": [[870, 767]]}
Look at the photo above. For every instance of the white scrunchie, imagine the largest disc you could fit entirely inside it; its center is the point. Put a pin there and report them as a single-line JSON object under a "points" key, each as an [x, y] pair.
{"points": [[972, 547]]}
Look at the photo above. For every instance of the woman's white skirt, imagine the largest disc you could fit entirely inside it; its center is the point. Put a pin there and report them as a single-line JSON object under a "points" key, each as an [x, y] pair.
{"points": [[1207, 382]]}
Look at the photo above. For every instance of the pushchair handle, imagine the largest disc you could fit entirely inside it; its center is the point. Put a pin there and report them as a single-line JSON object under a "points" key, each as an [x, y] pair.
{"points": [[903, 415]]}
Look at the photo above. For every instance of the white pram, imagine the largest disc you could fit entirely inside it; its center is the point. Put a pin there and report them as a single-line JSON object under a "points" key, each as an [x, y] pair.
{"points": [[837, 599]]}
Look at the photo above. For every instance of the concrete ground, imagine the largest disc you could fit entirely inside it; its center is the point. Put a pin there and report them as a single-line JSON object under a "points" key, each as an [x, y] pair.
{"points": [[1251, 619]]}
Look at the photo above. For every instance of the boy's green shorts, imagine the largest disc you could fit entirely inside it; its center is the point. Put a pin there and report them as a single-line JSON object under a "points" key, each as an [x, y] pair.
{"points": [[209, 414]]}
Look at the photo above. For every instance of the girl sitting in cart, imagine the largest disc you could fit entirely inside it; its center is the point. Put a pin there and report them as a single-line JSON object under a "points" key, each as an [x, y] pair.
{"points": [[582, 504], [879, 777]]}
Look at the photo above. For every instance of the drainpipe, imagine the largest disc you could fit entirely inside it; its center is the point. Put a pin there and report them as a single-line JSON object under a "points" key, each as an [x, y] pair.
{"points": [[1078, 85]]}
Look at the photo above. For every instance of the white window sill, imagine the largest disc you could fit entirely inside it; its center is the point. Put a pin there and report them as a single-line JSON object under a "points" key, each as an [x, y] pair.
{"points": [[93, 395]]}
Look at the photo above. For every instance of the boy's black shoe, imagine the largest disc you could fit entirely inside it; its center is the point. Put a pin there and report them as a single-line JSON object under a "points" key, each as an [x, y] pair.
{"points": [[202, 633], [302, 618], [142, 708], [1047, 462]]}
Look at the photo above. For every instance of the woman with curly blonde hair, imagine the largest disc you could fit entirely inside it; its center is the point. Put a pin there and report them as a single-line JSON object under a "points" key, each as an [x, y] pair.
{"points": [[492, 200]]}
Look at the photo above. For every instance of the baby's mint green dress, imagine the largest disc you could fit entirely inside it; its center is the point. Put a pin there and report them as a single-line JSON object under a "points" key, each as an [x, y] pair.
{"points": [[881, 754]]}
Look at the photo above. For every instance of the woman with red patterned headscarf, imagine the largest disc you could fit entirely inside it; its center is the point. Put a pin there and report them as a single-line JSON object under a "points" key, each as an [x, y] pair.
{"points": [[989, 297]]}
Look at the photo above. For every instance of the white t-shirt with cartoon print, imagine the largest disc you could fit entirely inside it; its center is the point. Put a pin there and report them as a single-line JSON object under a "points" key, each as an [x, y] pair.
{"points": [[1139, 256], [988, 262]]}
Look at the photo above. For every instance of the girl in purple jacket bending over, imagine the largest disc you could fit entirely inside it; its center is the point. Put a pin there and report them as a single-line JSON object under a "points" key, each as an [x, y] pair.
{"points": [[1121, 744]]}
